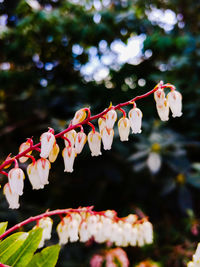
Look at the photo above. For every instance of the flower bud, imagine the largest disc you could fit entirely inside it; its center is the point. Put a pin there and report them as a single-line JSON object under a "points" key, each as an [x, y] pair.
{"points": [[163, 111], [34, 177], [43, 166], [12, 198], [175, 103], [16, 180], [148, 232], [54, 153], [69, 157], [102, 124], [94, 141], [135, 117], [46, 224], [107, 138], [80, 141], [63, 234], [47, 141], [24, 146], [159, 97], [111, 117], [80, 115], [124, 129], [71, 135]]}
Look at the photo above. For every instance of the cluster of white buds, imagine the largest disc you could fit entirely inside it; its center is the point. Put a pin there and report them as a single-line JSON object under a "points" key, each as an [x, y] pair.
{"points": [[173, 101], [196, 258], [103, 227]]}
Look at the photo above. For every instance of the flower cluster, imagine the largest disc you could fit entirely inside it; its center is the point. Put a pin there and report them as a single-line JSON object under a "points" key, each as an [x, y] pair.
{"points": [[110, 258], [196, 258], [38, 170], [84, 224]]}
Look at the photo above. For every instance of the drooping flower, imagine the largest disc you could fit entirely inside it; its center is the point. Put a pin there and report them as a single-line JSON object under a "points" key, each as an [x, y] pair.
{"points": [[12, 198], [80, 141], [111, 117], [175, 103], [163, 111], [96, 261], [54, 153], [135, 117], [71, 135], [159, 97], [43, 167], [16, 180], [196, 258], [154, 162], [84, 232], [101, 123], [147, 232], [46, 224], [80, 115], [24, 146], [107, 138], [34, 177], [69, 155], [124, 129], [94, 141], [47, 141]]}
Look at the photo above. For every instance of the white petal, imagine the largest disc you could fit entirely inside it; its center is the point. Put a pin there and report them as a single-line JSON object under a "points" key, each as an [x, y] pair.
{"points": [[111, 117], [163, 111], [124, 129], [80, 142], [71, 135], [175, 103], [34, 177], [16, 180], [69, 157], [154, 162], [94, 141], [47, 141], [12, 198], [43, 166], [107, 138], [135, 117]]}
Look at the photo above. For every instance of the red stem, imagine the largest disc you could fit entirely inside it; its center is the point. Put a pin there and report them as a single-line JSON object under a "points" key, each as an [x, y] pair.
{"points": [[88, 119], [91, 125], [69, 142], [123, 111]]}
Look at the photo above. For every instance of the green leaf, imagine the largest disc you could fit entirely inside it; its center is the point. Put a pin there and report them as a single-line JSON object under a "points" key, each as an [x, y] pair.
{"points": [[10, 245], [3, 226], [46, 258], [24, 254]]}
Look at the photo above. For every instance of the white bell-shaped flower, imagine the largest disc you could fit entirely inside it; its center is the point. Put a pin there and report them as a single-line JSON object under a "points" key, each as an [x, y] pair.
{"points": [[107, 138], [47, 141], [124, 129], [46, 224], [34, 177], [135, 117], [163, 111], [159, 97], [175, 103], [80, 141], [111, 117], [148, 232], [80, 115], [12, 198], [63, 233], [54, 153], [94, 141], [134, 236], [71, 135], [101, 123], [196, 256], [43, 167], [83, 232], [24, 146], [16, 180], [73, 230], [154, 162], [69, 155]]}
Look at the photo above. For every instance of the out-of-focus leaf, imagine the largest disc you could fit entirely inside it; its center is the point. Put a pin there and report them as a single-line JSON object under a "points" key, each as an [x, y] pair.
{"points": [[184, 199], [10, 245], [3, 226], [196, 166], [46, 258]]}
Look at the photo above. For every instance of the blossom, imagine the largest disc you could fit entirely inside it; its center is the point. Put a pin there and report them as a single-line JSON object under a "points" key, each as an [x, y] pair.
{"points": [[63, 234], [107, 138], [135, 117], [46, 224], [16, 180], [43, 166], [147, 232], [12, 198], [34, 177], [163, 111], [159, 96], [175, 103], [84, 233], [71, 135], [101, 123], [124, 129], [69, 155], [96, 261], [111, 117], [54, 153], [80, 141], [94, 141], [154, 162], [24, 146], [196, 258], [80, 115], [47, 141]]}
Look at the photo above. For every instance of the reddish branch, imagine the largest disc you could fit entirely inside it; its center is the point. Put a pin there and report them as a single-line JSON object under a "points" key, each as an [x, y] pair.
{"points": [[86, 121]]}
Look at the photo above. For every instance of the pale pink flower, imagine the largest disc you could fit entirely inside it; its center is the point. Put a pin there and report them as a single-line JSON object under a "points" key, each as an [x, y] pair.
{"points": [[96, 261]]}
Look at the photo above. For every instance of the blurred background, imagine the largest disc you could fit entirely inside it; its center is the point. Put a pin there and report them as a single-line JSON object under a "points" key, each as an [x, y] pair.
{"points": [[57, 56]]}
